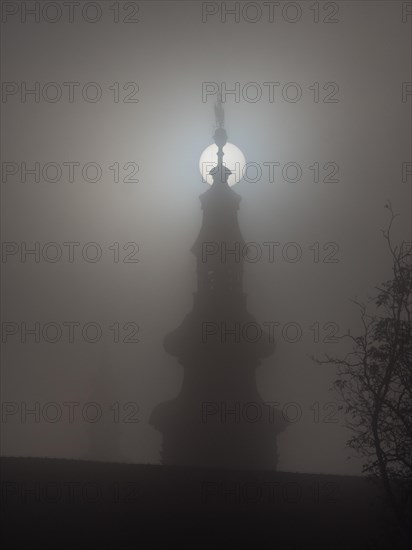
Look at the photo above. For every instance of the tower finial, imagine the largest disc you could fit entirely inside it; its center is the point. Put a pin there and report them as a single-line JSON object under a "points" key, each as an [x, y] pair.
{"points": [[220, 173], [219, 112]]}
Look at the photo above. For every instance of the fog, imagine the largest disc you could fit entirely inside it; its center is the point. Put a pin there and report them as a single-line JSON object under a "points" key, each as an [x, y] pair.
{"points": [[336, 119]]}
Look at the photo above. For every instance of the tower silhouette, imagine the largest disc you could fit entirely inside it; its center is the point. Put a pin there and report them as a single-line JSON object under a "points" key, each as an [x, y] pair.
{"points": [[219, 419]]}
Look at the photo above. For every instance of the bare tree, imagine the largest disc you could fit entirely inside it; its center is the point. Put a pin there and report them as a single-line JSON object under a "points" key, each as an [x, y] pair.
{"points": [[375, 379]]}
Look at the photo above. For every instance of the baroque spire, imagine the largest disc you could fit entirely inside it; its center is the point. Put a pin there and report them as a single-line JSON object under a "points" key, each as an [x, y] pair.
{"points": [[220, 173]]}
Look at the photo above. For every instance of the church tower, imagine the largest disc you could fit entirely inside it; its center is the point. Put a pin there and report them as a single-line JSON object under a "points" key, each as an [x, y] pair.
{"points": [[219, 419]]}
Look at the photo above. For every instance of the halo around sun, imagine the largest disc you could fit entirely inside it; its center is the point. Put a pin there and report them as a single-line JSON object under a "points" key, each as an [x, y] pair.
{"points": [[233, 159]]}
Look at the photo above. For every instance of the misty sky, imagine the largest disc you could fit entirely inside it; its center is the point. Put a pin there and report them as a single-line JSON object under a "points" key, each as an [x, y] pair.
{"points": [[163, 57]]}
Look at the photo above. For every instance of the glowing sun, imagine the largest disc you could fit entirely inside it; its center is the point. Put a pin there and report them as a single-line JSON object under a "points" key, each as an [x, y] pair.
{"points": [[233, 159]]}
